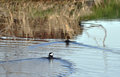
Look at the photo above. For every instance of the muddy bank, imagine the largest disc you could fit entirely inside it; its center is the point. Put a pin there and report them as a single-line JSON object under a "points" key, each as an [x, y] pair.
{"points": [[42, 19]]}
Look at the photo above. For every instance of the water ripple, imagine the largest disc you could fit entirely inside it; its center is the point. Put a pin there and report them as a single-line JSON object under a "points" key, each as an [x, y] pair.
{"points": [[39, 67]]}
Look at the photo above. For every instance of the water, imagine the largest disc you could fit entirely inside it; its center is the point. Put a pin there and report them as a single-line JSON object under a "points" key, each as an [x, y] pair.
{"points": [[18, 60]]}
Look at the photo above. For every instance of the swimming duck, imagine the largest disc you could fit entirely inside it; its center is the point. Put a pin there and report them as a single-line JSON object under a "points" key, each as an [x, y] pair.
{"points": [[67, 41], [50, 56]]}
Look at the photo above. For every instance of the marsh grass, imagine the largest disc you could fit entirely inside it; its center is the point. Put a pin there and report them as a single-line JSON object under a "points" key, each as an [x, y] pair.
{"points": [[109, 9], [41, 13], [36, 19]]}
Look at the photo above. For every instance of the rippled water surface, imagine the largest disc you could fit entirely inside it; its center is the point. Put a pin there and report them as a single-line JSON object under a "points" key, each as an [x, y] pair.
{"points": [[18, 60]]}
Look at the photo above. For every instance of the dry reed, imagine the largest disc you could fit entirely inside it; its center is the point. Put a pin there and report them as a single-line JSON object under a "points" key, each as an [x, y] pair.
{"points": [[41, 20]]}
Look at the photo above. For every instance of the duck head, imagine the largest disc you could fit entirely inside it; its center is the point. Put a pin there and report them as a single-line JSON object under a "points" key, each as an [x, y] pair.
{"points": [[50, 56]]}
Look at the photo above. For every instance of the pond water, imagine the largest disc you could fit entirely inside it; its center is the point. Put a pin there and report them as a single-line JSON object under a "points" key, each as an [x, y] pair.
{"points": [[17, 59]]}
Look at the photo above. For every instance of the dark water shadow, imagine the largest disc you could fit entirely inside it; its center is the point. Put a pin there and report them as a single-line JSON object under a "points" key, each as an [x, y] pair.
{"points": [[38, 67]]}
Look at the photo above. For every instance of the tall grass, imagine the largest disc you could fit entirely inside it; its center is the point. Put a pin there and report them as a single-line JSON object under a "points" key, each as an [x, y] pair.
{"points": [[41, 20], [109, 9]]}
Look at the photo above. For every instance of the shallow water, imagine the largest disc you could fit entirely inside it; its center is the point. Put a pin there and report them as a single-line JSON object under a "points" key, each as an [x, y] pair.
{"points": [[18, 60]]}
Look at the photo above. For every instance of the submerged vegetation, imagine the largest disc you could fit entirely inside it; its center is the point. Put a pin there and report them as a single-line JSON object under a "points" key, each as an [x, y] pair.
{"points": [[108, 9]]}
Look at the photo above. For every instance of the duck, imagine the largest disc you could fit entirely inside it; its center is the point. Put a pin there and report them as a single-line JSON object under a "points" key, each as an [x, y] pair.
{"points": [[67, 41], [50, 55]]}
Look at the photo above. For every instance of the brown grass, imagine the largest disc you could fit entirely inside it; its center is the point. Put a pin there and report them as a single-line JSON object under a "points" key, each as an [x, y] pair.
{"points": [[40, 19]]}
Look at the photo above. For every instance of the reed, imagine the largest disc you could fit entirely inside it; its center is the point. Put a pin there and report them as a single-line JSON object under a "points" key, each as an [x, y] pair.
{"points": [[39, 19]]}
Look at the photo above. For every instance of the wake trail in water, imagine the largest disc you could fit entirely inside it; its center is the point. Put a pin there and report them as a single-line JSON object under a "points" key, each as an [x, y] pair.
{"points": [[43, 44], [64, 65], [96, 47], [72, 42], [90, 46], [76, 43]]}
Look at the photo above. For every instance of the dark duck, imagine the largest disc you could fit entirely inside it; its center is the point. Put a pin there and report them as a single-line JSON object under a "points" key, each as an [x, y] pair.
{"points": [[67, 41]]}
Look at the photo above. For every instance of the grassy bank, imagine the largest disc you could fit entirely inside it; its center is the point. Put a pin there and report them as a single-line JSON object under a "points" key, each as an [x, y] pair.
{"points": [[108, 9], [39, 19]]}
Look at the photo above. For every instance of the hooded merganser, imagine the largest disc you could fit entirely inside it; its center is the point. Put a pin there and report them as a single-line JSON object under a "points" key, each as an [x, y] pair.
{"points": [[50, 56]]}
